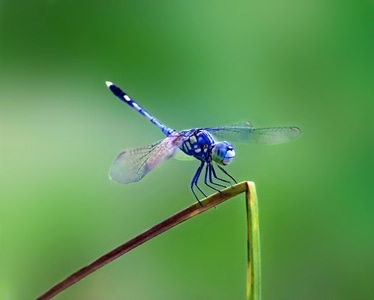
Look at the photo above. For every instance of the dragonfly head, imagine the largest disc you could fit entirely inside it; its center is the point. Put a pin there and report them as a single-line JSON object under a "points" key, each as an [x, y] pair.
{"points": [[223, 153]]}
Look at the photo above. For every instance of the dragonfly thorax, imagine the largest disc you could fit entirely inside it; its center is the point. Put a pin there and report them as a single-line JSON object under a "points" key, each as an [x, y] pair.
{"points": [[198, 143], [223, 153]]}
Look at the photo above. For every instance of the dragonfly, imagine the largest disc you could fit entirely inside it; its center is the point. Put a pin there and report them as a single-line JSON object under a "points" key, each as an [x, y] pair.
{"points": [[210, 146]]}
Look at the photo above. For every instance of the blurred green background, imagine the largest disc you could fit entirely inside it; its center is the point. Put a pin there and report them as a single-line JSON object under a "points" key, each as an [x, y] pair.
{"points": [[190, 63]]}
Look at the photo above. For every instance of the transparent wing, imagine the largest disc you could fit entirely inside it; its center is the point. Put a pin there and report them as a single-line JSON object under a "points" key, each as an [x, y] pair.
{"points": [[133, 164], [245, 134]]}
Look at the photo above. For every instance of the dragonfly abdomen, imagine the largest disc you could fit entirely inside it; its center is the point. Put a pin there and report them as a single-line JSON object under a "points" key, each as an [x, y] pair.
{"points": [[126, 98]]}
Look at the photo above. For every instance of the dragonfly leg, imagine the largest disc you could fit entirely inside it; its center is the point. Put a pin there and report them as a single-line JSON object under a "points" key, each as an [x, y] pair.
{"points": [[224, 171], [216, 177], [194, 183], [212, 176], [208, 177]]}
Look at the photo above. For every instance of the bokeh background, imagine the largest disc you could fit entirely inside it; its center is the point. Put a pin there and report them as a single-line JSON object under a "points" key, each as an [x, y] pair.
{"points": [[190, 63]]}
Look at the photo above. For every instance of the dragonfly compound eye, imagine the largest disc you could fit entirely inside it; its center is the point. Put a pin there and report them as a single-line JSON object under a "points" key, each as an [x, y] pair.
{"points": [[223, 153]]}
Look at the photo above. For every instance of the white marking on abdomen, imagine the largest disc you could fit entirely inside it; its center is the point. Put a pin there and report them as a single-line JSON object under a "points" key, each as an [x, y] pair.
{"points": [[147, 115], [136, 106], [127, 98]]}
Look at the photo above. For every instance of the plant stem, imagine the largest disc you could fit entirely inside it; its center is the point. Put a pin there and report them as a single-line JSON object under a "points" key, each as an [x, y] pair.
{"points": [[253, 280]]}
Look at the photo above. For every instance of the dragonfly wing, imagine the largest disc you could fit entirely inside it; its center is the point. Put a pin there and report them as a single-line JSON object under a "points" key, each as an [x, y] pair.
{"points": [[133, 164], [247, 134]]}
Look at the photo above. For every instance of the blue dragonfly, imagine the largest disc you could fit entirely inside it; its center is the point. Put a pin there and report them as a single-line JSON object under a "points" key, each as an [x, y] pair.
{"points": [[199, 143]]}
